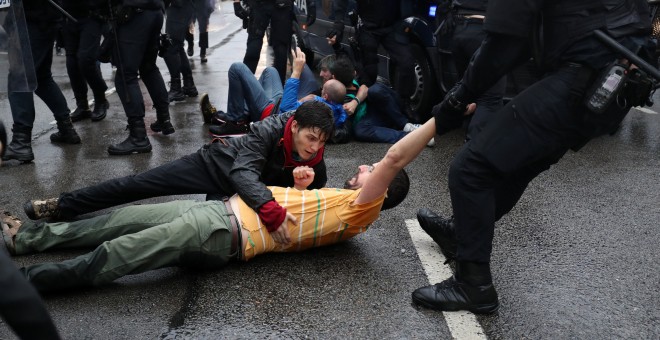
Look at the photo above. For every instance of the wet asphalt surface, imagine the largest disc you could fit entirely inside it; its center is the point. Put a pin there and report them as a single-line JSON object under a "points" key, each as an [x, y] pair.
{"points": [[576, 258]]}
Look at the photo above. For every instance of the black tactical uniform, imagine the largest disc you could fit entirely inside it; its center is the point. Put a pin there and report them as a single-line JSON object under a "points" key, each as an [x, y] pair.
{"points": [[43, 21], [533, 131], [179, 14], [279, 15], [137, 26], [381, 24], [82, 40]]}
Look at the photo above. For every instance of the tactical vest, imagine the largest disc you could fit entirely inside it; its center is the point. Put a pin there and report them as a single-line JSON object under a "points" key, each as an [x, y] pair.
{"points": [[565, 22]]}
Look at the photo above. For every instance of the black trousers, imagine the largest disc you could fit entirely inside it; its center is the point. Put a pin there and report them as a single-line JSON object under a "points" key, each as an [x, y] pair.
{"points": [[176, 26], [281, 21], [526, 137], [465, 41], [20, 304], [397, 45], [186, 175], [82, 41], [136, 52]]}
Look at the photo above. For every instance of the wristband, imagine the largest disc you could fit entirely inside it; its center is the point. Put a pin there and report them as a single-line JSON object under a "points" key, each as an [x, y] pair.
{"points": [[356, 99]]}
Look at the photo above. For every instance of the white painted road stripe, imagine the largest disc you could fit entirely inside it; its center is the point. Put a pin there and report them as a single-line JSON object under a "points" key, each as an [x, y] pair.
{"points": [[462, 325], [645, 110]]}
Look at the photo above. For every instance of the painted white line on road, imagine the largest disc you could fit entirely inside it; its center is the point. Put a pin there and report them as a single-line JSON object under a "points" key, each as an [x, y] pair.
{"points": [[645, 110], [462, 325]]}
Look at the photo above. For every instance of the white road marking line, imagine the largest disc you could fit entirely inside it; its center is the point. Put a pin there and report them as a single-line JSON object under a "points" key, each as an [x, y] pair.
{"points": [[462, 325], [645, 110]]}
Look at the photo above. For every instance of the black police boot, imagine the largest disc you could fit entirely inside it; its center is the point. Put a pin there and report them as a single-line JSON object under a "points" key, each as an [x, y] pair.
{"points": [[101, 106], [137, 141], [20, 147], [3, 140], [189, 88], [162, 124], [66, 133], [175, 94], [471, 289], [82, 110], [440, 229]]}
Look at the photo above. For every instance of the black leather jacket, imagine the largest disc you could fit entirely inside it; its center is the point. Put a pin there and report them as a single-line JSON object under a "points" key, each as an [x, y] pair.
{"points": [[248, 164]]}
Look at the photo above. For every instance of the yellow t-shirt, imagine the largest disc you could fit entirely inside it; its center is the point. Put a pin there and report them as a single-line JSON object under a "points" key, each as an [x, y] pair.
{"points": [[324, 216]]}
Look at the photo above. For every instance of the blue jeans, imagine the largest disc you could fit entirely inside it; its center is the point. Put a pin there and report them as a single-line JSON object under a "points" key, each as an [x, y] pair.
{"points": [[384, 120], [246, 93], [22, 103]]}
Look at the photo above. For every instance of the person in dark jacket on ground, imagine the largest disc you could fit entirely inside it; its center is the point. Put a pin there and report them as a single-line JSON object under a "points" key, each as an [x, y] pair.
{"points": [[264, 156]]}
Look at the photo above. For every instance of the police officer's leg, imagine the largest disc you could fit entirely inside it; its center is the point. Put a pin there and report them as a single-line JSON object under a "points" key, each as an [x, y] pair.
{"points": [[129, 54], [71, 33], [202, 12], [397, 45], [281, 30], [540, 126], [176, 26], [259, 20], [369, 46], [41, 42], [88, 52]]}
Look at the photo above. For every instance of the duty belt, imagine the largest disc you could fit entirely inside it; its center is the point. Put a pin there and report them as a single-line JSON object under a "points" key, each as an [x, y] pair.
{"points": [[236, 239]]}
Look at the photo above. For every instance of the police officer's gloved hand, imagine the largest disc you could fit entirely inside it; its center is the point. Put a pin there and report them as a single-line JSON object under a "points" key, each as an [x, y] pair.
{"points": [[337, 30], [311, 13], [240, 11], [449, 114]]}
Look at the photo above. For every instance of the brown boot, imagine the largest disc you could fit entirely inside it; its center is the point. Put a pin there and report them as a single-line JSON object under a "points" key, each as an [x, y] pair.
{"points": [[10, 226]]}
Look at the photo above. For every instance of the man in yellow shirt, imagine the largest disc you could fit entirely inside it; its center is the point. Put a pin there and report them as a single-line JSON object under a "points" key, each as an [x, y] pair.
{"points": [[209, 234]]}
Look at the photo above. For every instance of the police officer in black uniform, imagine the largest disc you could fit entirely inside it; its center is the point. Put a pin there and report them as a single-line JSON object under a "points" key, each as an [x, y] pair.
{"points": [[82, 41], [279, 15], [533, 131], [43, 21], [137, 25], [381, 23], [179, 14]]}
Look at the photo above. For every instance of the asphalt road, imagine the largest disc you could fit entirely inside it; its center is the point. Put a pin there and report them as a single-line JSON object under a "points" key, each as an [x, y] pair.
{"points": [[576, 258]]}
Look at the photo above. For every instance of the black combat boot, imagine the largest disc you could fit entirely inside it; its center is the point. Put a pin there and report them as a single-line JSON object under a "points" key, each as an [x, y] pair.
{"points": [[3, 140], [66, 133], [203, 45], [189, 88], [175, 94], [82, 110], [136, 142], [471, 289], [20, 147], [101, 106], [441, 231], [162, 124]]}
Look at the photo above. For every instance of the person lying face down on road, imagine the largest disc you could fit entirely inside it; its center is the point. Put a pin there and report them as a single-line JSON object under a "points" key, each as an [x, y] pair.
{"points": [[209, 234]]}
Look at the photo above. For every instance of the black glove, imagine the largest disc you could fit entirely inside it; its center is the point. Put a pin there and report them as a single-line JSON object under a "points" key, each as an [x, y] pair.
{"points": [[338, 30], [240, 11], [449, 114], [311, 13]]}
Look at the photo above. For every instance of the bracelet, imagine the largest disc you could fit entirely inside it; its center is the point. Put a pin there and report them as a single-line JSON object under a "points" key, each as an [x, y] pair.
{"points": [[356, 99]]}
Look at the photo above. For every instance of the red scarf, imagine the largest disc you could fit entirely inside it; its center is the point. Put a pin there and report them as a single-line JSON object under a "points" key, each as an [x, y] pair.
{"points": [[288, 146]]}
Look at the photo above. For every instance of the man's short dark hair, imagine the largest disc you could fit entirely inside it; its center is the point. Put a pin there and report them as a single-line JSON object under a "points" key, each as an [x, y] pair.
{"points": [[327, 62], [315, 115], [344, 71], [397, 190]]}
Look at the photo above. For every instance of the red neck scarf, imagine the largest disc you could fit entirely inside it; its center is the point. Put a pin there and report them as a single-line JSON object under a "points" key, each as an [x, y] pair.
{"points": [[288, 149]]}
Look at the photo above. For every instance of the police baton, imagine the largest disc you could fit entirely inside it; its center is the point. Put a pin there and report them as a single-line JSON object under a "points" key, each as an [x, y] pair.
{"points": [[616, 46], [63, 11]]}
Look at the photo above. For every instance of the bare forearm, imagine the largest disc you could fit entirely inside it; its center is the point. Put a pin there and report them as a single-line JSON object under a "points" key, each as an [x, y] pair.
{"points": [[410, 146]]}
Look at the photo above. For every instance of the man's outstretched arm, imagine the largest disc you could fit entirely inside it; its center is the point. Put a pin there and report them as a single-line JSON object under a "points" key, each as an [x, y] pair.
{"points": [[396, 158]]}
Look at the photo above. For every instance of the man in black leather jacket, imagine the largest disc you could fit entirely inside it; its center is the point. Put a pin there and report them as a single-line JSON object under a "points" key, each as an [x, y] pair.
{"points": [[267, 155]]}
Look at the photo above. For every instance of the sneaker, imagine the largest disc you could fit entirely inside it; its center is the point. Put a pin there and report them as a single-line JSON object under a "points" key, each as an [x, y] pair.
{"points": [[431, 143], [38, 209], [219, 118], [229, 129], [206, 108], [410, 127], [10, 226]]}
